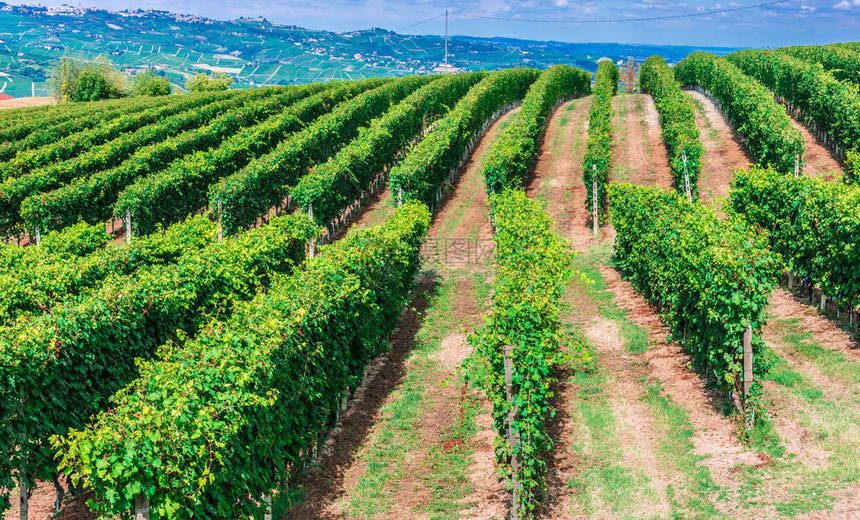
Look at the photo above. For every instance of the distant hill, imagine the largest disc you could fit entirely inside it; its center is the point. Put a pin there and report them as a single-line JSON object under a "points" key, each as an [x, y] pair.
{"points": [[257, 52]]}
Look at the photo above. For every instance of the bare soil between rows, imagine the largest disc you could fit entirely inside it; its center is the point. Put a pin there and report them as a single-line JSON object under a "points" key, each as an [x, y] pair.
{"points": [[323, 485], [26, 102], [819, 159], [724, 150]]}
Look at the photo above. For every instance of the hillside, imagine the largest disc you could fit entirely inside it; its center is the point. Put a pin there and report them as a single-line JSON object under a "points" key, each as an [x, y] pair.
{"points": [[524, 294], [258, 52]]}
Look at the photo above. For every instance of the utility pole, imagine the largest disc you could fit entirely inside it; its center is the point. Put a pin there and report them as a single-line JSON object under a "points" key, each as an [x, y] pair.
{"points": [[446, 40]]}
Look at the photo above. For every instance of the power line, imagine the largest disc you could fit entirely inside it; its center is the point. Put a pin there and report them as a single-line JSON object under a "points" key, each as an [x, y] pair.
{"points": [[611, 20], [422, 22], [22, 67], [622, 20]]}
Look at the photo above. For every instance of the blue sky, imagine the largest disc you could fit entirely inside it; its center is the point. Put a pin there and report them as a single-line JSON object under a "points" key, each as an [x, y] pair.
{"points": [[786, 23]]}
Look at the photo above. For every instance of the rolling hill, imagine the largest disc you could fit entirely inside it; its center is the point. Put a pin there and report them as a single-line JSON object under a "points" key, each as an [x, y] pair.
{"points": [[257, 52]]}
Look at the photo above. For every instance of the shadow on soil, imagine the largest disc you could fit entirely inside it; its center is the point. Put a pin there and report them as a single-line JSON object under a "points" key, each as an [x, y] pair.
{"points": [[323, 484]]}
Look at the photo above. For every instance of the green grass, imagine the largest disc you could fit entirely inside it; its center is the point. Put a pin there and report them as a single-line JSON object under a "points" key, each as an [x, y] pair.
{"points": [[445, 469], [693, 496], [635, 337], [765, 439], [473, 185], [713, 133], [643, 124], [385, 456], [605, 480], [564, 119], [832, 363], [804, 488], [448, 463]]}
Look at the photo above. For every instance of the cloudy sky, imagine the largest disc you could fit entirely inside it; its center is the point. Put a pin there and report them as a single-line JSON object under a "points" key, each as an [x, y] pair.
{"points": [[776, 24]]}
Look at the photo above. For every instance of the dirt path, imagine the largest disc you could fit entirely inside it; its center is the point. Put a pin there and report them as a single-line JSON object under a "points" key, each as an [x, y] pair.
{"points": [[815, 412], [26, 102], [715, 436], [638, 153], [784, 305], [723, 150], [557, 182], [423, 443], [557, 178], [820, 161]]}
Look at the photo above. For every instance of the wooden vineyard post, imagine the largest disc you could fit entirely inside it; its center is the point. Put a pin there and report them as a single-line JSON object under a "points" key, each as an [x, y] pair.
{"points": [[37, 236], [267, 498], [594, 198], [399, 196], [853, 319], [24, 499], [513, 439], [58, 494], [823, 302], [128, 226], [856, 325], [797, 165], [141, 507], [312, 243], [749, 412], [791, 281], [220, 224], [687, 179]]}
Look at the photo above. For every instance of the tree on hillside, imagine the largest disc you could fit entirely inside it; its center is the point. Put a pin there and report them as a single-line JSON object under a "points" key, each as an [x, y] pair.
{"points": [[203, 83], [630, 75], [150, 84], [90, 85], [76, 80]]}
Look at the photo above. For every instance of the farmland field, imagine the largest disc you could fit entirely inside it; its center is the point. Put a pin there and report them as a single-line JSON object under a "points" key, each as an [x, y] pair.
{"points": [[512, 294]]}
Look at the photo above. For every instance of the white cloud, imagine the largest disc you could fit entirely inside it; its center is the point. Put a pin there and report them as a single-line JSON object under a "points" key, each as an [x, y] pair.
{"points": [[846, 4], [576, 7]]}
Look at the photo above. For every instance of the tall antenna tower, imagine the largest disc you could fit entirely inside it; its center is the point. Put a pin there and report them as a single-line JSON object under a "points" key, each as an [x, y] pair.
{"points": [[446, 39]]}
